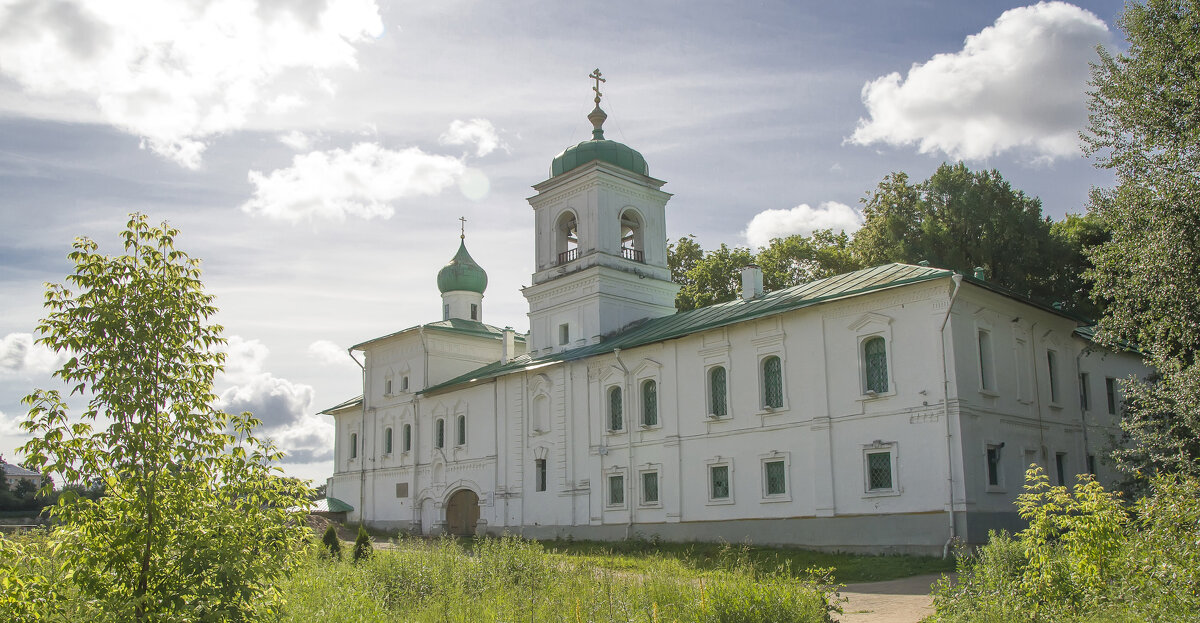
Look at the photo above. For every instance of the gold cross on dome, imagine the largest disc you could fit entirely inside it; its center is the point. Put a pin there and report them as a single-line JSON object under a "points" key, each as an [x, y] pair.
{"points": [[463, 226], [595, 75]]}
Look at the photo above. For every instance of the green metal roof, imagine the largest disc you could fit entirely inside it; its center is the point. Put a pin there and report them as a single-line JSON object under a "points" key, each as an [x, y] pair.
{"points": [[453, 325], [330, 505], [353, 402], [462, 273], [608, 151], [719, 315]]}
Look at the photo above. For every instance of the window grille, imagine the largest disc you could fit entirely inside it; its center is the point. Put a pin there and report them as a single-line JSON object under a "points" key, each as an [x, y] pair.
{"points": [[772, 382], [776, 477], [540, 465], [462, 430], [650, 488], [719, 477], [407, 437], [616, 490], [879, 470], [615, 422], [387, 441], [439, 434], [993, 465], [650, 403], [875, 352], [716, 388]]}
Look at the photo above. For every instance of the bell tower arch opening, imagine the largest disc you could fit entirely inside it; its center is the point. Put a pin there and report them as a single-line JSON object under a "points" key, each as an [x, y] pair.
{"points": [[566, 237], [633, 243]]}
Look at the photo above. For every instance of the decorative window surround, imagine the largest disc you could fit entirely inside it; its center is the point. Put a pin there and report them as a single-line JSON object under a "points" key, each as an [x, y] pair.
{"points": [[717, 463], [769, 473], [880, 449]]}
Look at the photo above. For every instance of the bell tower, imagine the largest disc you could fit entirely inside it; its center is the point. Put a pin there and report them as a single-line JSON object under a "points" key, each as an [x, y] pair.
{"points": [[600, 248]]}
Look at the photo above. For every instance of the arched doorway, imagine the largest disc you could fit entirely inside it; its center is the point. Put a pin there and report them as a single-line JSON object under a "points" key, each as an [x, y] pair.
{"points": [[462, 513]]}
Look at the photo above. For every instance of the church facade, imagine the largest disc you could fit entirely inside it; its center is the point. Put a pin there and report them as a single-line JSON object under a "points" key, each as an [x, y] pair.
{"points": [[890, 409]]}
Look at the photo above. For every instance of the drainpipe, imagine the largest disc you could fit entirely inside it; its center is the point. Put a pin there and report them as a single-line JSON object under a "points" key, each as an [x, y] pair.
{"points": [[1083, 412], [957, 279], [362, 470], [629, 431]]}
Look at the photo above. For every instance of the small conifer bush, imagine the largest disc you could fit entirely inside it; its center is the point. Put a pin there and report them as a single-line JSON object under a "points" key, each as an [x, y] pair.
{"points": [[362, 544], [332, 543]]}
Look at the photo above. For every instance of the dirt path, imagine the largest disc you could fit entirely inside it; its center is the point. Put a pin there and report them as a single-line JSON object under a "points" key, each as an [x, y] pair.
{"points": [[896, 601]]}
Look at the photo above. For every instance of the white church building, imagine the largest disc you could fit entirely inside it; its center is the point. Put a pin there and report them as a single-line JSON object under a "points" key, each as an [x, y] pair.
{"points": [[889, 409]]}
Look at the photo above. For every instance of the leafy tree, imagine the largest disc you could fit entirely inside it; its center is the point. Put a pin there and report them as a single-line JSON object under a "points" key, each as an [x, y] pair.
{"points": [[963, 219], [194, 524], [1144, 126], [799, 259], [715, 278]]}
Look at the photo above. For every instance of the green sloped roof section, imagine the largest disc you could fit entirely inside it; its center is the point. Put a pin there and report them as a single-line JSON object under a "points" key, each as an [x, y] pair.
{"points": [[722, 314], [330, 505], [1089, 333], [353, 402], [453, 325]]}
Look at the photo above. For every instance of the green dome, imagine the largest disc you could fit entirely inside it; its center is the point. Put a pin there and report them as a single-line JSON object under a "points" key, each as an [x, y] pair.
{"points": [[599, 148], [462, 273]]}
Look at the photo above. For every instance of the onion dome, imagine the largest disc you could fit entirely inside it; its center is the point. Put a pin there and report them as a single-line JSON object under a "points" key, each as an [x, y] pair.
{"points": [[462, 273], [599, 148]]}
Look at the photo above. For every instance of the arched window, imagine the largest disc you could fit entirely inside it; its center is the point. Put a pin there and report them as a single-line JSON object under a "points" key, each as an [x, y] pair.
{"points": [[566, 238], [772, 382], [632, 241], [354, 445], [408, 437], [461, 431], [875, 365], [615, 421], [439, 434], [387, 440], [716, 392], [649, 403]]}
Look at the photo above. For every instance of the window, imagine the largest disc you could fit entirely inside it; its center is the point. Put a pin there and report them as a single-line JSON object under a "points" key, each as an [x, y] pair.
{"points": [[539, 469], [354, 445], [387, 387], [564, 334], [1091, 464], [1084, 402], [993, 465], [1026, 364], [716, 392], [772, 382], [474, 311], [985, 360], [1110, 393], [875, 365], [404, 383], [387, 440], [615, 421], [879, 471], [462, 431], [1052, 371], [439, 434], [649, 403], [718, 482], [446, 311], [407, 437], [649, 488], [1060, 467], [774, 478], [616, 490]]}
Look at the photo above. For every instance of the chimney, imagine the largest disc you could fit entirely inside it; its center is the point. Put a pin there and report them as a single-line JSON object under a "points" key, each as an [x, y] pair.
{"points": [[508, 345], [752, 282]]}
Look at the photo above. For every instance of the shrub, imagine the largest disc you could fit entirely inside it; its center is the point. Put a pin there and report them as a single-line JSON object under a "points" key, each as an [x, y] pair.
{"points": [[331, 542], [362, 545]]}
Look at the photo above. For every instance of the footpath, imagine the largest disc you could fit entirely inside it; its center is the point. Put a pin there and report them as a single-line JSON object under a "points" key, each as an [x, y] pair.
{"points": [[906, 600]]}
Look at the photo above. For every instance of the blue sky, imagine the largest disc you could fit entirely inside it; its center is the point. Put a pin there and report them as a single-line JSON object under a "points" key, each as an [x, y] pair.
{"points": [[317, 154]]}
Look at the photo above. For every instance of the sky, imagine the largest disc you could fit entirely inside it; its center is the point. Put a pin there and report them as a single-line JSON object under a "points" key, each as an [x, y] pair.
{"points": [[317, 154]]}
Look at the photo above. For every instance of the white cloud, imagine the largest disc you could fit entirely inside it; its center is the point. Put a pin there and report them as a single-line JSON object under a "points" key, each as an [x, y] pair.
{"points": [[1017, 84], [10, 426], [360, 182], [21, 356], [481, 132], [802, 219], [296, 140], [177, 72], [329, 353]]}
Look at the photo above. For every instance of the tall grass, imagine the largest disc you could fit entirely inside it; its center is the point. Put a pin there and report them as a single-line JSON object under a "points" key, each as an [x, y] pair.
{"points": [[509, 579]]}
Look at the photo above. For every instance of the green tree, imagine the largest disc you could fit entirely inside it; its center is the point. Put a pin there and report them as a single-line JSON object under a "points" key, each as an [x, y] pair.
{"points": [[1144, 126], [962, 219], [194, 523], [362, 545], [332, 543], [714, 278], [799, 259]]}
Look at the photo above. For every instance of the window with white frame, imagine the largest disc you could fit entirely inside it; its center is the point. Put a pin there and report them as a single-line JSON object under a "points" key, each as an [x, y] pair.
{"points": [[407, 438], [775, 484], [995, 475], [474, 311], [650, 488], [387, 387], [564, 334], [649, 403], [616, 490], [875, 365], [439, 433], [771, 372], [720, 482], [387, 440], [1052, 374], [1110, 394], [461, 431], [1085, 401], [404, 383], [354, 445], [616, 420], [718, 388], [879, 468], [987, 381], [539, 468]]}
